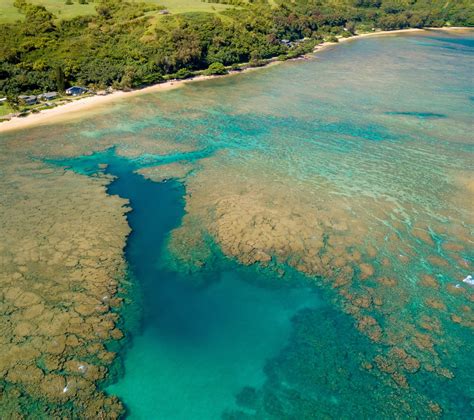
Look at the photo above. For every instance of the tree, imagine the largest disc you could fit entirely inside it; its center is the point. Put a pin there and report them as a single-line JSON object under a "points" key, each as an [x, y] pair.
{"points": [[183, 74], [14, 102], [60, 81], [351, 28], [215, 69], [368, 3], [121, 45]]}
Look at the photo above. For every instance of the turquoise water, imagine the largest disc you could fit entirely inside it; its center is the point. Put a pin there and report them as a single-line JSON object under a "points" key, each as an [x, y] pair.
{"points": [[197, 345], [348, 176]]}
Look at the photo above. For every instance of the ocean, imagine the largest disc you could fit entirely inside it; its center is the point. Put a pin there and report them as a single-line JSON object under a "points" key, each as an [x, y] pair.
{"points": [[300, 236]]}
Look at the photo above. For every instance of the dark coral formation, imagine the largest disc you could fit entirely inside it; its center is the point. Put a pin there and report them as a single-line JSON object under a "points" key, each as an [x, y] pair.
{"points": [[175, 170], [61, 263], [309, 380], [258, 219]]}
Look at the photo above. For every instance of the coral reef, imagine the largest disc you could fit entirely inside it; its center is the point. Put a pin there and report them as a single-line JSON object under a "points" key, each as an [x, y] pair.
{"points": [[260, 218], [308, 379], [374, 208], [168, 171], [61, 264]]}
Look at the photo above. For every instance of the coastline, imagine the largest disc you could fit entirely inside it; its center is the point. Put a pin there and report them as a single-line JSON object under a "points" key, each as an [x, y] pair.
{"points": [[325, 45], [76, 108]]}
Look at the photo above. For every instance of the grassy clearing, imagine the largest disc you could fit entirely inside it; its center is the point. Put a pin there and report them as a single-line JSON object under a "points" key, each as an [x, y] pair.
{"points": [[5, 109], [8, 12], [176, 7], [185, 6], [61, 10]]}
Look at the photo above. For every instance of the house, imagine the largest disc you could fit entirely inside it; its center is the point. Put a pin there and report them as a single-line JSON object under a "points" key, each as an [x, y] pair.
{"points": [[28, 99], [76, 90], [48, 96]]}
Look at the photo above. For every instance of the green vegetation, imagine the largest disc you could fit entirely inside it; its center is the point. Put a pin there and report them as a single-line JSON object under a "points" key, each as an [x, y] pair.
{"points": [[68, 9], [59, 8], [128, 44], [5, 109], [187, 6], [215, 69]]}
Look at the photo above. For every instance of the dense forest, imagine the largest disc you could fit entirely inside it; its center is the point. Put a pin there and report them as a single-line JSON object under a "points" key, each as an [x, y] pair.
{"points": [[129, 43]]}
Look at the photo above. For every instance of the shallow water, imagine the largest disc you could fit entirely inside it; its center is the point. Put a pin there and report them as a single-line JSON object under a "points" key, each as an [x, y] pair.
{"points": [[353, 169], [197, 345]]}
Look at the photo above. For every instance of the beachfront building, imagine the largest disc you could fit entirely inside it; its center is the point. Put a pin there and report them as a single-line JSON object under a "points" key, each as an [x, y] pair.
{"points": [[48, 96], [28, 99], [76, 90]]}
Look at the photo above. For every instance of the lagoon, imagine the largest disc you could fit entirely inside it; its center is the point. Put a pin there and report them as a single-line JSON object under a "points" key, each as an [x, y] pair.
{"points": [[200, 339], [299, 235]]}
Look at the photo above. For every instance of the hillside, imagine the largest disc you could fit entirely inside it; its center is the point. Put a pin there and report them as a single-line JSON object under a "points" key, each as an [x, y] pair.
{"points": [[50, 44], [62, 10]]}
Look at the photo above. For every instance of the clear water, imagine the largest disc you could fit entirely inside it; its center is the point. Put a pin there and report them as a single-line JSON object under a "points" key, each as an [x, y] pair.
{"points": [[197, 345], [354, 168]]}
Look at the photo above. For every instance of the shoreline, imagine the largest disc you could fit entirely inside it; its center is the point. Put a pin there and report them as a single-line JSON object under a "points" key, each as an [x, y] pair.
{"points": [[325, 45], [75, 108]]}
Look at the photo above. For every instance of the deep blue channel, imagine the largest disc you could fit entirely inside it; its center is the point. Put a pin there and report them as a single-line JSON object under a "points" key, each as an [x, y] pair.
{"points": [[202, 337]]}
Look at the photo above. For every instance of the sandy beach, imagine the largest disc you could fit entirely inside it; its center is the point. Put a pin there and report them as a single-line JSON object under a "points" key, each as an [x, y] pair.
{"points": [[325, 45], [78, 107]]}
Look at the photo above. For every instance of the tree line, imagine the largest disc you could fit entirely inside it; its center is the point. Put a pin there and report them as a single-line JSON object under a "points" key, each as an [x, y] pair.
{"points": [[123, 46]]}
